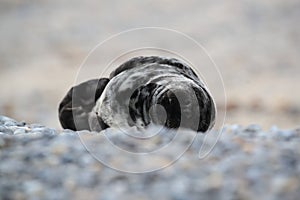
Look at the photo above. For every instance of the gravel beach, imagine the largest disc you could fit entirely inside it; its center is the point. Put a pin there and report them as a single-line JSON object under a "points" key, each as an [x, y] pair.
{"points": [[246, 163]]}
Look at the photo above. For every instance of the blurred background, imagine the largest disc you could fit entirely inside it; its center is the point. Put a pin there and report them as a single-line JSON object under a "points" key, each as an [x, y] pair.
{"points": [[255, 43]]}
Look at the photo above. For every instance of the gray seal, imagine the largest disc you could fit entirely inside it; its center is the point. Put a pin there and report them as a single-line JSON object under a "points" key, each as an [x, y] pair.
{"points": [[141, 91]]}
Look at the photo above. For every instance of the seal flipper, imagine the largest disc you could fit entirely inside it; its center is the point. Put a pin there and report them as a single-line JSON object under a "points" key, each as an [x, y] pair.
{"points": [[76, 106]]}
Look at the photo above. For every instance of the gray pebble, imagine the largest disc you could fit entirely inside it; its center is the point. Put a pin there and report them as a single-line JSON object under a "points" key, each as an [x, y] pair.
{"points": [[6, 130], [253, 128], [10, 123], [6, 120], [33, 126], [19, 131]]}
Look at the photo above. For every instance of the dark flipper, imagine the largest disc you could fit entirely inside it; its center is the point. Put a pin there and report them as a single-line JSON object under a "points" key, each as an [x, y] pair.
{"points": [[76, 106]]}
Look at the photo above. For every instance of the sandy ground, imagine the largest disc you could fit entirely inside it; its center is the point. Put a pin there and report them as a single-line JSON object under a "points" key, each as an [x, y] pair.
{"points": [[255, 44]]}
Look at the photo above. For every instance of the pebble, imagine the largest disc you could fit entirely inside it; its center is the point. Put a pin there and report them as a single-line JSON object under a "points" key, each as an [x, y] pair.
{"points": [[253, 128], [38, 162], [6, 130], [6, 120], [34, 189]]}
